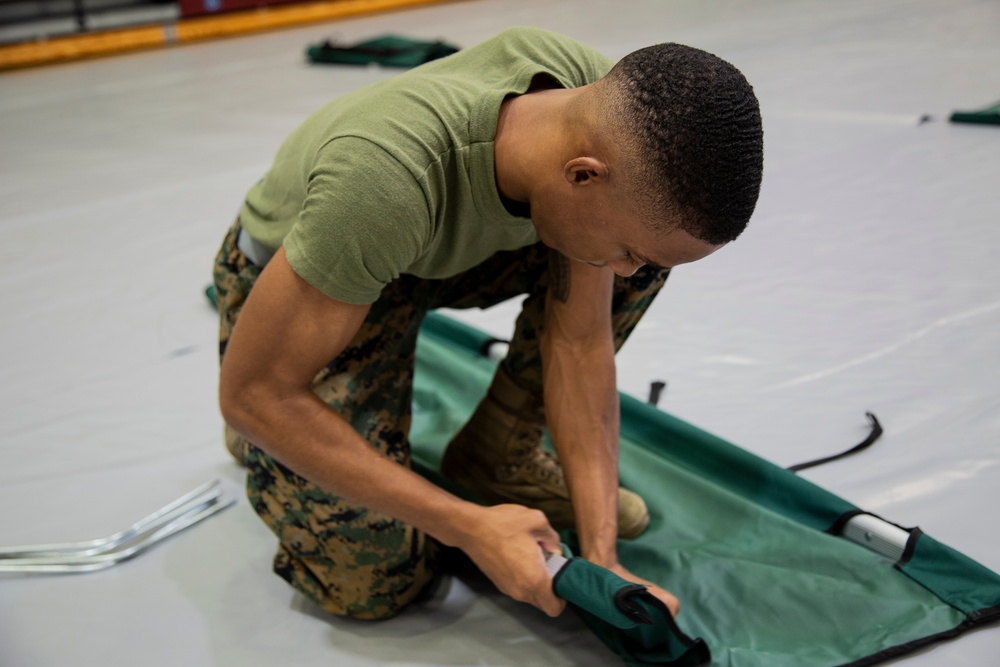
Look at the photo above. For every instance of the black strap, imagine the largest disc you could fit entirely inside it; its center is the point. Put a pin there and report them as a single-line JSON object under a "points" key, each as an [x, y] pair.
{"points": [[655, 391], [864, 444]]}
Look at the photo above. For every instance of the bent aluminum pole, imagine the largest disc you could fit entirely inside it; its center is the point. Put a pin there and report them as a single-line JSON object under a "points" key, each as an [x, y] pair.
{"points": [[102, 553]]}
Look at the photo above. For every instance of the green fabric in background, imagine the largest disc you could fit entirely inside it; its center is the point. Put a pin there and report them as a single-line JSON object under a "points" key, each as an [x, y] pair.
{"points": [[388, 51], [987, 115], [740, 541]]}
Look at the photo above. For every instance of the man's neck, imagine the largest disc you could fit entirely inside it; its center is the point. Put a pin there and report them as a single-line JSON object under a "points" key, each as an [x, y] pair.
{"points": [[529, 138]]}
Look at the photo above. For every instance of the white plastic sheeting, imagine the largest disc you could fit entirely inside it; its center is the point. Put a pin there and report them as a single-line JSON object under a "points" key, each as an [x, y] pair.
{"points": [[868, 280]]}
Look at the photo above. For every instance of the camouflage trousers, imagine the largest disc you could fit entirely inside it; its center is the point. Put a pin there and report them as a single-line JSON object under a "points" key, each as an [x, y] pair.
{"points": [[350, 560]]}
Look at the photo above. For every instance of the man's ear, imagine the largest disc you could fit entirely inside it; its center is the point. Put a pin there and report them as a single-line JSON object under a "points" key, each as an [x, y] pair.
{"points": [[585, 171]]}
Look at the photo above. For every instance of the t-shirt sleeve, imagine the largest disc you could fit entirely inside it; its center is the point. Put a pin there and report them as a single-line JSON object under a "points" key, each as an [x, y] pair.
{"points": [[364, 221]]}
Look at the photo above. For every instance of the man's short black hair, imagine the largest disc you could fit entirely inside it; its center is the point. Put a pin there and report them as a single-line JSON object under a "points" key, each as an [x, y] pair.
{"points": [[694, 124]]}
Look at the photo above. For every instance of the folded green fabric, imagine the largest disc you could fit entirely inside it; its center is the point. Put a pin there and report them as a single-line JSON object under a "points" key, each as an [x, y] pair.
{"points": [[627, 618], [388, 51], [989, 115]]}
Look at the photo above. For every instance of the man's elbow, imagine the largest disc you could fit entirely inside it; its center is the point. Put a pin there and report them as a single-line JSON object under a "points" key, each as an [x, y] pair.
{"points": [[238, 406]]}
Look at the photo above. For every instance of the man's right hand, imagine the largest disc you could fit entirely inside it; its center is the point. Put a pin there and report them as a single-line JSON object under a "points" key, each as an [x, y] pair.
{"points": [[509, 543]]}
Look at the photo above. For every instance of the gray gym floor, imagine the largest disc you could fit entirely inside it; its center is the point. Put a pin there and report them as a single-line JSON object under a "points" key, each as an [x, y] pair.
{"points": [[868, 280]]}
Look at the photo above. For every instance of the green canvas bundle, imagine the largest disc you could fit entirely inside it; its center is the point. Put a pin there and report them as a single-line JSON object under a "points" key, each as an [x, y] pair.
{"points": [[388, 51], [624, 615], [764, 562]]}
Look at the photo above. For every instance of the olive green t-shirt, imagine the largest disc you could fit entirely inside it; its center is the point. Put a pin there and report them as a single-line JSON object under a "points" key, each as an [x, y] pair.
{"points": [[397, 177]]}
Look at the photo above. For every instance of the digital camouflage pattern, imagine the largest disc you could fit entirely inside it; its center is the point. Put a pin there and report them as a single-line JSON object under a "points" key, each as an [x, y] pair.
{"points": [[348, 559]]}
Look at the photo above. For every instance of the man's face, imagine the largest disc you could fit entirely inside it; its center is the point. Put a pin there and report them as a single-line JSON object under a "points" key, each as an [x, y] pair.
{"points": [[585, 226]]}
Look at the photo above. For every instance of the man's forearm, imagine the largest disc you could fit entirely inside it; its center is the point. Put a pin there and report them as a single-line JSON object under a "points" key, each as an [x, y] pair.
{"points": [[581, 404], [581, 400]]}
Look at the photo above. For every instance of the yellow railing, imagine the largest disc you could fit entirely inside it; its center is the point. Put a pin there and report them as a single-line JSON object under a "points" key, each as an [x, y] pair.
{"points": [[110, 42]]}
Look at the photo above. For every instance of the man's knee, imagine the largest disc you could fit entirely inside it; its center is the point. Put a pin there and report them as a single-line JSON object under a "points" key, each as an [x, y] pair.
{"points": [[349, 560], [359, 586]]}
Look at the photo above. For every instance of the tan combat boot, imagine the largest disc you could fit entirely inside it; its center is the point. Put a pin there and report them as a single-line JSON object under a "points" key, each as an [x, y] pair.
{"points": [[498, 456]]}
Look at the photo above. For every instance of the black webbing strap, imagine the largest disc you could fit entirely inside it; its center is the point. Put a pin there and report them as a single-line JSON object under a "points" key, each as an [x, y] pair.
{"points": [[655, 391], [864, 444]]}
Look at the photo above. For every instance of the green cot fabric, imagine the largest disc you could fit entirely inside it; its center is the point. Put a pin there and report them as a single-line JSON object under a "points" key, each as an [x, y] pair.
{"points": [[629, 620], [742, 543], [954, 577]]}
